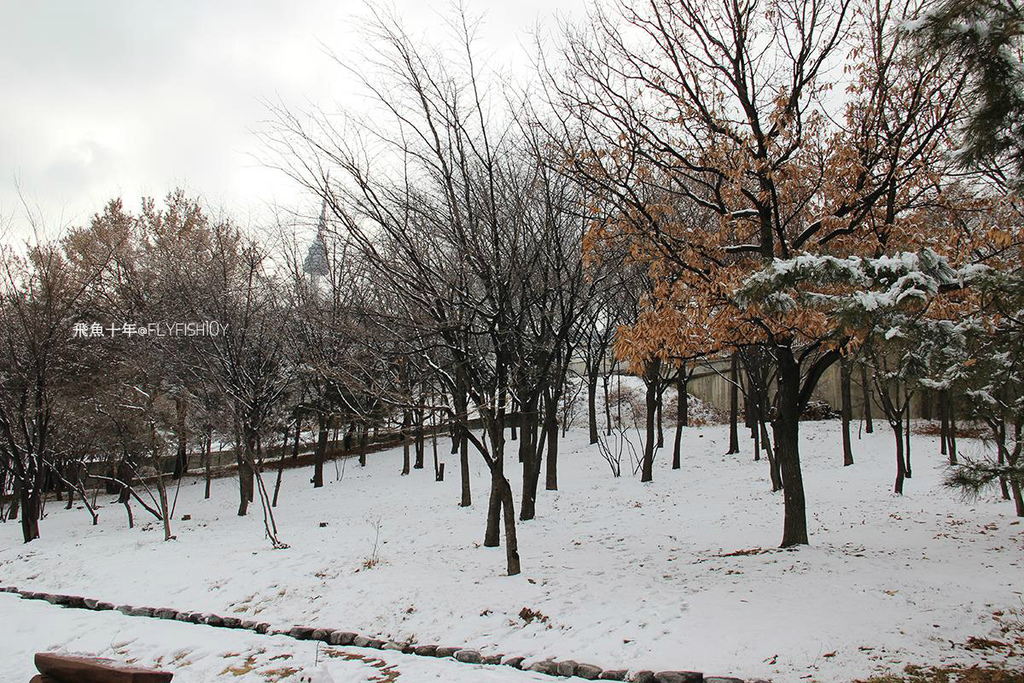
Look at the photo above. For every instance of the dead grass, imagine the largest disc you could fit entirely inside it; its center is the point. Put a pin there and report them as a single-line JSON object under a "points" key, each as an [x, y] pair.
{"points": [[628, 403], [245, 667], [1010, 623], [934, 428], [386, 673], [530, 615], [975, 643], [274, 675], [756, 551], [699, 414], [950, 674]]}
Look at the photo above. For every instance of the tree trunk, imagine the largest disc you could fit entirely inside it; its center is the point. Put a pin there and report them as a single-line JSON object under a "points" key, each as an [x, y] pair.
{"points": [[906, 453], [467, 494], [364, 435], [501, 497], [952, 432], [681, 418], [181, 456], [496, 433], [786, 428], [529, 456], [757, 428], [894, 408], [592, 406], [406, 420], [30, 504], [124, 493], [1000, 449], [516, 411], [901, 471], [607, 407], [661, 431], [551, 428], [420, 445], [71, 492], [1018, 499], [438, 466], [754, 416], [165, 510], [12, 512], [774, 468], [3, 491], [245, 484], [734, 405], [869, 426], [748, 410], [323, 426], [944, 421], [684, 400], [208, 455], [653, 372], [846, 409], [512, 565], [128, 511], [1013, 459], [243, 501], [461, 433], [280, 466], [492, 534], [1001, 458]]}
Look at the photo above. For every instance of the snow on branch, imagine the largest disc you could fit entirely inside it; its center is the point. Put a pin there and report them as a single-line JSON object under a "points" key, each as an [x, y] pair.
{"points": [[852, 283]]}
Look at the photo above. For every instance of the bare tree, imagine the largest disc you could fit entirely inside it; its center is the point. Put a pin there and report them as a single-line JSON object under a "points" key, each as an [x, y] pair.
{"points": [[677, 108], [42, 292]]}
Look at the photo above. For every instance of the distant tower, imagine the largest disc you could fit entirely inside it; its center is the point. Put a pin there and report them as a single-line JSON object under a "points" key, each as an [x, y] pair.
{"points": [[316, 264]]}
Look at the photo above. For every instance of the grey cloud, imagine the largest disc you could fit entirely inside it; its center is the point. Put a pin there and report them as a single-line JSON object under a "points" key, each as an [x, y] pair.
{"points": [[81, 165], [104, 97]]}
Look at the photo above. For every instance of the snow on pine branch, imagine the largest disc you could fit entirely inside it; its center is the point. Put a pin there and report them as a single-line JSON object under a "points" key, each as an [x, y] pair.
{"points": [[852, 283]]}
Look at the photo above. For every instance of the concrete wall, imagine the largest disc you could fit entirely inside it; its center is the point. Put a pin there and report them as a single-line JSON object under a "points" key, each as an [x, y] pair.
{"points": [[710, 384]]}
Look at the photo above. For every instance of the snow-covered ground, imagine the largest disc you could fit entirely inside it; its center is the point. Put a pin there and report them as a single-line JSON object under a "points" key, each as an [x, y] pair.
{"points": [[204, 653], [626, 575]]}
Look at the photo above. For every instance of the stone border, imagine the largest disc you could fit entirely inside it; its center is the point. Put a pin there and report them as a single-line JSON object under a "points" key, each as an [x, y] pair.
{"points": [[551, 667]]}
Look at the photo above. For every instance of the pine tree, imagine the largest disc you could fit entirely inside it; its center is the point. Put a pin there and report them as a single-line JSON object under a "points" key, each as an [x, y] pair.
{"points": [[985, 37]]}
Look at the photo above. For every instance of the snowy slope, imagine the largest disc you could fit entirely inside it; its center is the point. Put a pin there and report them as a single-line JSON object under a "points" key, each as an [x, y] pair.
{"points": [[628, 575], [202, 653]]}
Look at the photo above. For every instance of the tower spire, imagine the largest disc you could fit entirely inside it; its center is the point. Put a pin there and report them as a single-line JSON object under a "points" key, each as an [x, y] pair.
{"points": [[316, 264]]}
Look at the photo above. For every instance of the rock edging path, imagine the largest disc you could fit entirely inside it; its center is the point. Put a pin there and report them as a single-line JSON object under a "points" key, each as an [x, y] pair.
{"points": [[551, 667]]}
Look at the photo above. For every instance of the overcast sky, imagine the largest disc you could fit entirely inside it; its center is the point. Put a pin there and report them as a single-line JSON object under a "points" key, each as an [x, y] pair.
{"points": [[128, 98]]}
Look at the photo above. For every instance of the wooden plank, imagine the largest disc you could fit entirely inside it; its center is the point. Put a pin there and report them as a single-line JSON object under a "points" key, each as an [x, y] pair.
{"points": [[72, 669]]}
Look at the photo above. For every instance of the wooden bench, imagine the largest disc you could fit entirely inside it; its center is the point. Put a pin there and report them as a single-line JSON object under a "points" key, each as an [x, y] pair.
{"points": [[54, 668]]}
